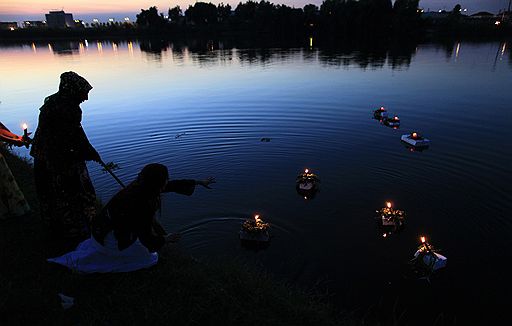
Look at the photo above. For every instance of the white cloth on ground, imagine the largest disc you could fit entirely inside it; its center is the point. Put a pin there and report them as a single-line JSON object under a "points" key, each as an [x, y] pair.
{"points": [[91, 257]]}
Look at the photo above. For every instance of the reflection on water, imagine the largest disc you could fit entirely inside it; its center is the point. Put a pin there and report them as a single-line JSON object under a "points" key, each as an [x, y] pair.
{"points": [[203, 108], [370, 56]]}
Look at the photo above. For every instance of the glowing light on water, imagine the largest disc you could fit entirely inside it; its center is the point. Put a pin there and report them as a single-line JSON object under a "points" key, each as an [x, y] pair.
{"points": [[130, 47]]}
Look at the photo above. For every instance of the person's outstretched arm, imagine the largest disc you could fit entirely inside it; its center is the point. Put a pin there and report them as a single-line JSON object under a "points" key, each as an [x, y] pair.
{"points": [[187, 186]]}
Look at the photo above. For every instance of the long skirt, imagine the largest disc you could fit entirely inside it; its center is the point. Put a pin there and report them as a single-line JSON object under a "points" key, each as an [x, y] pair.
{"points": [[92, 257], [66, 197]]}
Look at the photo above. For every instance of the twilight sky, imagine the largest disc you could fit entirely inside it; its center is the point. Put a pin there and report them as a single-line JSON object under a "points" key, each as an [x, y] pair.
{"points": [[18, 10]]}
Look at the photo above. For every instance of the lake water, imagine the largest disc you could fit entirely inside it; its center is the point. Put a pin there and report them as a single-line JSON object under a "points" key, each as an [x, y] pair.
{"points": [[202, 109]]}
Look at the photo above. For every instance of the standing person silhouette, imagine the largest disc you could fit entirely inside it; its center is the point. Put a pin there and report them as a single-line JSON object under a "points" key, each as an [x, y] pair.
{"points": [[60, 149]]}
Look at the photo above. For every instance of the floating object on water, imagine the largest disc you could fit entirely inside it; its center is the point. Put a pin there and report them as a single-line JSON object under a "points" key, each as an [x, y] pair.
{"points": [[427, 260], [393, 122], [254, 231], [307, 184], [390, 217], [414, 139], [180, 134], [380, 114], [266, 140]]}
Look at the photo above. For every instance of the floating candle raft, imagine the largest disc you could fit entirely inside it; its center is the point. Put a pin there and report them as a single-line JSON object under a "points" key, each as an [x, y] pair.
{"points": [[307, 184], [392, 122], [427, 260], [415, 140], [255, 230], [380, 114], [388, 216]]}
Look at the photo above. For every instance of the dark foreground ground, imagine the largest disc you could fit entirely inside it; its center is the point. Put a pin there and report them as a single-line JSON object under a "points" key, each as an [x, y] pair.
{"points": [[178, 291]]}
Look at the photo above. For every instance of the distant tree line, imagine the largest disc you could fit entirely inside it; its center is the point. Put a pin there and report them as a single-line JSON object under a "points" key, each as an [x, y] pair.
{"points": [[333, 17]]}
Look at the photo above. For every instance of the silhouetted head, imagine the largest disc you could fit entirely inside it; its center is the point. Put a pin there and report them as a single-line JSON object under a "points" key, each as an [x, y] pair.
{"points": [[153, 177], [74, 87]]}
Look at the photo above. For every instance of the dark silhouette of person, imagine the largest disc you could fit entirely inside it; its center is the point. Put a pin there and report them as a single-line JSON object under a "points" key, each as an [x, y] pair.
{"points": [[60, 149], [126, 234]]}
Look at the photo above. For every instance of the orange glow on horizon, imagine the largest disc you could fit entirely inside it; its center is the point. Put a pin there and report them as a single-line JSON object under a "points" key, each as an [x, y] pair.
{"points": [[81, 7]]}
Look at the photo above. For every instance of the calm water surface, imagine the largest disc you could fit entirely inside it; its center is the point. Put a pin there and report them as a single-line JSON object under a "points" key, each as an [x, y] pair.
{"points": [[315, 104]]}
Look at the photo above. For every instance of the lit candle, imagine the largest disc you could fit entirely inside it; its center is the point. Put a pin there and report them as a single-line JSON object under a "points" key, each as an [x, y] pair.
{"points": [[256, 218], [388, 204], [25, 130], [414, 135], [306, 171], [423, 239]]}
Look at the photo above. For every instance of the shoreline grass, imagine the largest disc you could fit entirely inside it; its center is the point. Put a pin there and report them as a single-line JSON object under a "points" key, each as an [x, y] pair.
{"points": [[179, 290]]}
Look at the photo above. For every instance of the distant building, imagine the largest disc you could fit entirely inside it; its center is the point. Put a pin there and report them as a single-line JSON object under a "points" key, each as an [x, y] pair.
{"points": [[59, 19], [8, 26], [34, 24]]}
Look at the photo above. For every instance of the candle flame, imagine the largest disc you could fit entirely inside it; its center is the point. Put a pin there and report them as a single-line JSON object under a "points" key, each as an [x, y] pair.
{"points": [[256, 218], [423, 239], [388, 204], [306, 171], [384, 235], [25, 126], [414, 134]]}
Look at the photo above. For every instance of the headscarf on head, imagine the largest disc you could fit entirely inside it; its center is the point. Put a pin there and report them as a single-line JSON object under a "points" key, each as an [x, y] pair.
{"points": [[153, 177], [72, 85]]}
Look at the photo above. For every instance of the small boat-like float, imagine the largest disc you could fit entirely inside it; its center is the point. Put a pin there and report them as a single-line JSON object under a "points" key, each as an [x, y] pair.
{"points": [[381, 113], [393, 122], [390, 220], [427, 259], [389, 216], [254, 232], [415, 140], [307, 184]]}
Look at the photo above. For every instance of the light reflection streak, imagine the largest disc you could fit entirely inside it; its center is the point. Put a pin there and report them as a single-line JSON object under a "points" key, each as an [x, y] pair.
{"points": [[457, 51], [34, 47], [100, 47], [130, 48]]}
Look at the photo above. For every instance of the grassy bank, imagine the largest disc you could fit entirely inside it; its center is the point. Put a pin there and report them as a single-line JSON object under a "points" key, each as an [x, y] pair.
{"points": [[178, 291]]}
